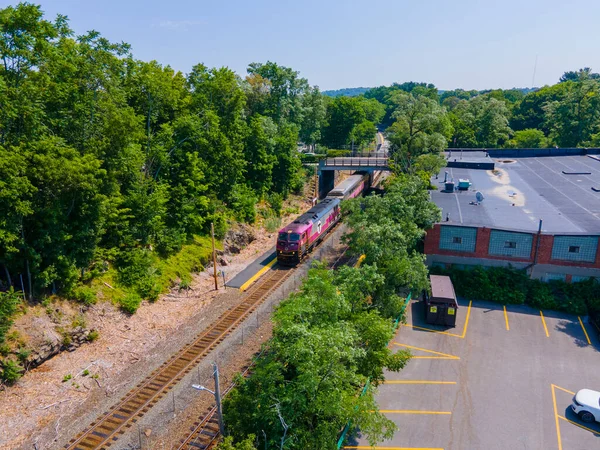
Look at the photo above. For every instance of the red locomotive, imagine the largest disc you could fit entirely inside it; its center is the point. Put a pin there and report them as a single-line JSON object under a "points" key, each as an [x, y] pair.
{"points": [[298, 238]]}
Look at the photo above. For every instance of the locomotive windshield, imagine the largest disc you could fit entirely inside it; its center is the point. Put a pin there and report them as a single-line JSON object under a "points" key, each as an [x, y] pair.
{"points": [[292, 237]]}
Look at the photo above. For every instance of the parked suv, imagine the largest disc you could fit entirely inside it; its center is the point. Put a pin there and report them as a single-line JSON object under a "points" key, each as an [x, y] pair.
{"points": [[586, 404]]}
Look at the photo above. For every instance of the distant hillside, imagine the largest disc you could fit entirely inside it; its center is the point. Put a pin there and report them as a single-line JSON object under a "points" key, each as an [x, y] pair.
{"points": [[353, 92], [347, 92]]}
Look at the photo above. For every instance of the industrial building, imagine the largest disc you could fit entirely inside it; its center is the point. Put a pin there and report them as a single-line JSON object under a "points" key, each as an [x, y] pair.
{"points": [[540, 213]]}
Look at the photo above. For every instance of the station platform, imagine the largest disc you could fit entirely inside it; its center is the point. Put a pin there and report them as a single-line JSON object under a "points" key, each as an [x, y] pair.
{"points": [[254, 271]]}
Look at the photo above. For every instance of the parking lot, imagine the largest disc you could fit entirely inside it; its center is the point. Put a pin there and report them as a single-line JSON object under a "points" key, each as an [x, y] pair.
{"points": [[503, 378]]}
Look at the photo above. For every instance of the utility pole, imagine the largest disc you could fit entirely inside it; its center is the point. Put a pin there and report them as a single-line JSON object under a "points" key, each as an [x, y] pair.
{"points": [[212, 232], [218, 399]]}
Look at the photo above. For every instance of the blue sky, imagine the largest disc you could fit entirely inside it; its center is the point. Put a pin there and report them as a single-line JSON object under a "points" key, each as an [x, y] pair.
{"points": [[343, 43]]}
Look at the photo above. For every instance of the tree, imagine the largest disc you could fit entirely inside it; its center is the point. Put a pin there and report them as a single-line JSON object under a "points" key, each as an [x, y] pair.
{"points": [[390, 242], [303, 390], [573, 119], [259, 153], [481, 122], [16, 195], [529, 138], [530, 114], [579, 75], [286, 92], [246, 444], [314, 117], [344, 114], [421, 126]]}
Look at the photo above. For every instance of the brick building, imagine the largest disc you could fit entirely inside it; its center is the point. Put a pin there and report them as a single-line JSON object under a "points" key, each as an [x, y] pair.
{"points": [[504, 228]]}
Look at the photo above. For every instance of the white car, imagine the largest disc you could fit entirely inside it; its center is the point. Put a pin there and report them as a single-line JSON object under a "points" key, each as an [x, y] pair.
{"points": [[586, 404]]}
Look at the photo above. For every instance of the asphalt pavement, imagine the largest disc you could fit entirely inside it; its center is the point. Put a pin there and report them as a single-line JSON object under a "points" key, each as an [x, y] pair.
{"points": [[499, 380]]}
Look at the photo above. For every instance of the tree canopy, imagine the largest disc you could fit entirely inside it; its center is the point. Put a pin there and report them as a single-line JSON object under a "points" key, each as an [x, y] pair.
{"points": [[102, 154]]}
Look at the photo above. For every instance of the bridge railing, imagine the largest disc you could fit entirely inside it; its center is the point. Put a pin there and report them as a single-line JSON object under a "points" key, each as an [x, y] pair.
{"points": [[356, 162]]}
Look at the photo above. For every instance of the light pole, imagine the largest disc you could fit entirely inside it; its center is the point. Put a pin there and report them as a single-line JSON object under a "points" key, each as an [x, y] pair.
{"points": [[217, 394]]}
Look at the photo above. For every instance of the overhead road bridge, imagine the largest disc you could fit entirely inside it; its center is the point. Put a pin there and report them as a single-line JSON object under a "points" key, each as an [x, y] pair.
{"points": [[367, 162]]}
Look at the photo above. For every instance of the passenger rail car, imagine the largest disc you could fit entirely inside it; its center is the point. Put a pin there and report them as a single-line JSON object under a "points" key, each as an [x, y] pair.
{"points": [[351, 187], [298, 238]]}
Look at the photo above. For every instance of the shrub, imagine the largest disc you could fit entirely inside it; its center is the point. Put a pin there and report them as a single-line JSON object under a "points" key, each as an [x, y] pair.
{"points": [[92, 336], [11, 371], [23, 354], [510, 286], [84, 294], [243, 201], [78, 321], [8, 305], [148, 288], [130, 303], [540, 295], [134, 265], [276, 202], [272, 224], [338, 153]]}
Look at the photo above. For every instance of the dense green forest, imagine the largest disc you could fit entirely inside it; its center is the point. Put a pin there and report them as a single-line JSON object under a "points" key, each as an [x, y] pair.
{"points": [[109, 160], [566, 114]]}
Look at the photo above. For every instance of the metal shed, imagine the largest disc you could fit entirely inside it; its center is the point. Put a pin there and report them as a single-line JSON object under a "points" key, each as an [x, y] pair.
{"points": [[441, 307]]}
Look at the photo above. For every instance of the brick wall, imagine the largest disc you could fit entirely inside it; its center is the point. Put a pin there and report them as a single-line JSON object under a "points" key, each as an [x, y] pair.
{"points": [[482, 243]]}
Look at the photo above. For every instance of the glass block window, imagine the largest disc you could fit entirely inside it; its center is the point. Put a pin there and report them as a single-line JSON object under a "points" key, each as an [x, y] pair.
{"points": [[575, 248], [459, 239], [578, 278], [555, 276], [510, 243]]}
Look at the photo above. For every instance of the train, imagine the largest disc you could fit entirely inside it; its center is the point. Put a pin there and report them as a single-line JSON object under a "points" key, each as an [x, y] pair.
{"points": [[297, 239]]}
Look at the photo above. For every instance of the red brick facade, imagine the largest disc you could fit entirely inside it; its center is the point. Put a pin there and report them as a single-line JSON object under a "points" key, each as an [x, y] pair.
{"points": [[432, 247]]}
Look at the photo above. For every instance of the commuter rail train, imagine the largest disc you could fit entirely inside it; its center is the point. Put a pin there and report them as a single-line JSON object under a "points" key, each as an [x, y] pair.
{"points": [[297, 239]]}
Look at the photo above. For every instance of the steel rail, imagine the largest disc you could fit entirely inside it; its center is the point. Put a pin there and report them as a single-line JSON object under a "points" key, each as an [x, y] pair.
{"points": [[108, 427]]}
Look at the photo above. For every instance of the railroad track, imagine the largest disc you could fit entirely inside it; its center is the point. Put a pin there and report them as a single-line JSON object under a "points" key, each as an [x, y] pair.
{"points": [[112, 424], [205, 433]]}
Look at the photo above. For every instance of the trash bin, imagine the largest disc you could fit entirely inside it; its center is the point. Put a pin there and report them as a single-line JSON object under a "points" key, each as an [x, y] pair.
{"points": [[441, 306]]}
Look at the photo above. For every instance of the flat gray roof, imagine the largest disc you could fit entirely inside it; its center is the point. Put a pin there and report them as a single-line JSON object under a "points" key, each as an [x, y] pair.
{"points": [[521, 191]]}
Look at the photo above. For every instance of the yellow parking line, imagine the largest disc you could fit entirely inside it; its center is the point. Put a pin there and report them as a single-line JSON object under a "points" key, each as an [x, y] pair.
{"points": [[584, 331], [417, 382], [257, 275], [442, 355], [544, 322], [410, 411], [506, 318], [579, 425], [564, 390], [464, 333], [556, 417]]}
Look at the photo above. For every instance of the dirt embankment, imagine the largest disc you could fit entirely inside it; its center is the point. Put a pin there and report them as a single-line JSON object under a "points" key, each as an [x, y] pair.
{"points": [[67, 392]]}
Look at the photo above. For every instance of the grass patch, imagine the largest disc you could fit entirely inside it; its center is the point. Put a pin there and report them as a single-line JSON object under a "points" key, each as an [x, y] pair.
{"points": [[191, 258], [165, 273], [272, 224]]}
